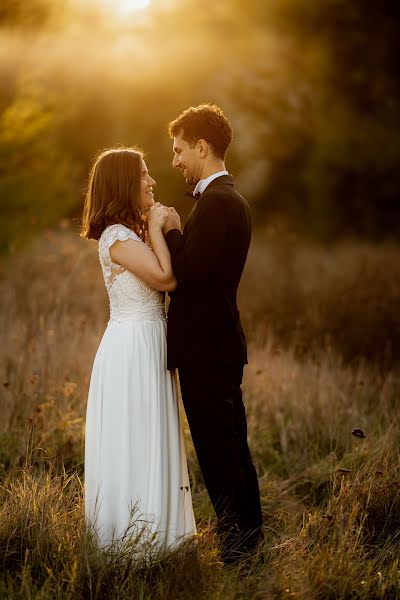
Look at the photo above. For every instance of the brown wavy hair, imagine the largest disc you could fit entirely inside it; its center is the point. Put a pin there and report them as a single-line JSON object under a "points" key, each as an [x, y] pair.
{"points": [[207, 122], [113, 193]]}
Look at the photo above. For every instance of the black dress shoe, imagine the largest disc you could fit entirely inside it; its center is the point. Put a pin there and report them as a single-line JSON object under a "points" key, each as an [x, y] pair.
{"points": [[241, 554], [247, 560]]}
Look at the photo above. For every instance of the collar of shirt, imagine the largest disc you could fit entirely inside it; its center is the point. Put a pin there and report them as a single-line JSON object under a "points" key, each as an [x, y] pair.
{"points": [[203, 183]]}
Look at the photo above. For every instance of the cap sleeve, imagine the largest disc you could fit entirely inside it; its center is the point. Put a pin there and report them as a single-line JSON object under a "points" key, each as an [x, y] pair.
{"points": [[110, 235]]}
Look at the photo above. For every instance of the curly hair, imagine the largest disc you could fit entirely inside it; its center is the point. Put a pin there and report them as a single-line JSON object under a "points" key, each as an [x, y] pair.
{"points": [[207, 122], [113, 193]]}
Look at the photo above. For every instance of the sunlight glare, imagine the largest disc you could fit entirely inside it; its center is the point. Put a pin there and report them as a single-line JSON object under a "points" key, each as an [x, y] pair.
{"points": [[128, 7]]}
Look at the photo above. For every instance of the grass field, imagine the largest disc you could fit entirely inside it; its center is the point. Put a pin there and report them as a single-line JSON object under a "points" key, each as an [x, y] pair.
{"points": [[322, 391]]}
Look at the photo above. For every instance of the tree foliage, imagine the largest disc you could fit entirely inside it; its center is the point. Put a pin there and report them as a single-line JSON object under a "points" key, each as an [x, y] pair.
{"points": [[311, 89]]}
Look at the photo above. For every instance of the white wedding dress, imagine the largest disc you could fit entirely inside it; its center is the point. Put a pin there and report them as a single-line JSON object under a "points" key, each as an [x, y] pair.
{"points": [[136, 479]]}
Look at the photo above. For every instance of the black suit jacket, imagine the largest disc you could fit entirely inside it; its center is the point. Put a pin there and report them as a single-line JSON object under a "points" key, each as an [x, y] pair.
{"points": [[204, 325]]}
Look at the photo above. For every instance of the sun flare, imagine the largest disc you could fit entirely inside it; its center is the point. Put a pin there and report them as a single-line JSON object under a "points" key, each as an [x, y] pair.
{"points": [[124, 8]]}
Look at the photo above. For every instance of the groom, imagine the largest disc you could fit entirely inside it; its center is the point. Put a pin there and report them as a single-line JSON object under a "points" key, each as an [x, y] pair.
{"points": [[205, 336]]}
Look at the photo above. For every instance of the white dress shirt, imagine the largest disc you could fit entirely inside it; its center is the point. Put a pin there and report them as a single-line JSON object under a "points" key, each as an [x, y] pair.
{"points": [[203, 183]]}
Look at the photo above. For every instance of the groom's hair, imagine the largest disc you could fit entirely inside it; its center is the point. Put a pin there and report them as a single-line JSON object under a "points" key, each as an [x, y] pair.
{"points": [[206, 122]]}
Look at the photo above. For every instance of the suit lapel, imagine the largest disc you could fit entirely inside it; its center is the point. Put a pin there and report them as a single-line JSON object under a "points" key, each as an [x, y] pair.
{"points": [[190, 219], [224, 179]]}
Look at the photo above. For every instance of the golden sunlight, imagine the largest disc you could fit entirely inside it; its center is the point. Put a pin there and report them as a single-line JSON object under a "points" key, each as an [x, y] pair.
{"points": [[127, 7]]}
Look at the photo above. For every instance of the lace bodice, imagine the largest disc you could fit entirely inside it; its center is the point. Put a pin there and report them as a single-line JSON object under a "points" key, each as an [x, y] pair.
{"points": [[129, 296]]}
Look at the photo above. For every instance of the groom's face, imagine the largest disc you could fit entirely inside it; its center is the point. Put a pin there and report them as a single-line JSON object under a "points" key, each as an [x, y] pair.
{"points": [[187, 159]]}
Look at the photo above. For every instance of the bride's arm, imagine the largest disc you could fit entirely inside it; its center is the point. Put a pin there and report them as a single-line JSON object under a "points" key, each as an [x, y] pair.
{"points": [[152, 266], [162, 253]]}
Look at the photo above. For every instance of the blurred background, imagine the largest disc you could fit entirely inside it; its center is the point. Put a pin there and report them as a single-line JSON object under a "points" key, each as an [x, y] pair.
{"points": [[311, 89]]}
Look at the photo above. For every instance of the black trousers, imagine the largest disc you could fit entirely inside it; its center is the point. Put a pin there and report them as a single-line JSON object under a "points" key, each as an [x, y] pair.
{"points": [[212, 397]]}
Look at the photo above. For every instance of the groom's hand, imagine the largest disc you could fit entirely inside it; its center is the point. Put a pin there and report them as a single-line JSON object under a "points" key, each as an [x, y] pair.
{"points": [[173, 221]]}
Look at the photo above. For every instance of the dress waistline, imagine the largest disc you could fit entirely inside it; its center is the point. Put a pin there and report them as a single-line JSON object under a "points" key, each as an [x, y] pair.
{"points": [[148, 313]]}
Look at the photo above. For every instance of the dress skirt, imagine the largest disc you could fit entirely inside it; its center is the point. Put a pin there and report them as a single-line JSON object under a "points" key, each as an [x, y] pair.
{"points": [[136, 479]]}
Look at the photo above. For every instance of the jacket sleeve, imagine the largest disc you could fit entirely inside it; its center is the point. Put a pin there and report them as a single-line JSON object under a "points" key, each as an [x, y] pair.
{"points": [[197, 260]]}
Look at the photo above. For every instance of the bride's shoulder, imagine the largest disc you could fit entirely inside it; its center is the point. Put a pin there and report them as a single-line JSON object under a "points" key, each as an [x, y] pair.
{"points": [[117, 231]]}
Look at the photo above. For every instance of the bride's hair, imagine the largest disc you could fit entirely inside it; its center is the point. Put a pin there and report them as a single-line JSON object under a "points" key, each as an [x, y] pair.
{"points": [[113, 193]]}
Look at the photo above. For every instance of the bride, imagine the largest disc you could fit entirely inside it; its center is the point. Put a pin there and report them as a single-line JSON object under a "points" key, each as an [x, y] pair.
{"points": [[136, 479]]}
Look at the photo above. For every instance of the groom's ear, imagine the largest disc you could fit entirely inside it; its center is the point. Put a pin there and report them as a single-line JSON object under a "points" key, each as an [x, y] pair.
{"points": [[203, 147]]}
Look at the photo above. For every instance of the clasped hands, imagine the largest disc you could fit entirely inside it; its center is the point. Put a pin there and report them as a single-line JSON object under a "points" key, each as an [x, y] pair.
{"points": [[164, 217]]}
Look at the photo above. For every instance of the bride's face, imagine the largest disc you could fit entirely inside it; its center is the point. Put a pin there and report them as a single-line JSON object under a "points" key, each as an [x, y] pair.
{"points": [[146, 188]]}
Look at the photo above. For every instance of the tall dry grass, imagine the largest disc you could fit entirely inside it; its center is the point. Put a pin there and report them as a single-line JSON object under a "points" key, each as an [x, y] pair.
{"points": [[323, 429], [343, 296]]}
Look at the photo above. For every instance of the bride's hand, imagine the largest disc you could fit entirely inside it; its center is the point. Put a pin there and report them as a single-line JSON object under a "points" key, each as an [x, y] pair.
{"points": [[157, 215]]}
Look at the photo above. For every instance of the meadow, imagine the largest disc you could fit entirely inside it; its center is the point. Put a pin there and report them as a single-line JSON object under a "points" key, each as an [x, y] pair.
{"points": [[322, 391]]}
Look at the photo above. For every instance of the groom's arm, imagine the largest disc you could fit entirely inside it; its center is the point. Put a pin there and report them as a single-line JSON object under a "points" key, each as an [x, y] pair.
{"points": [[199, 259]]}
